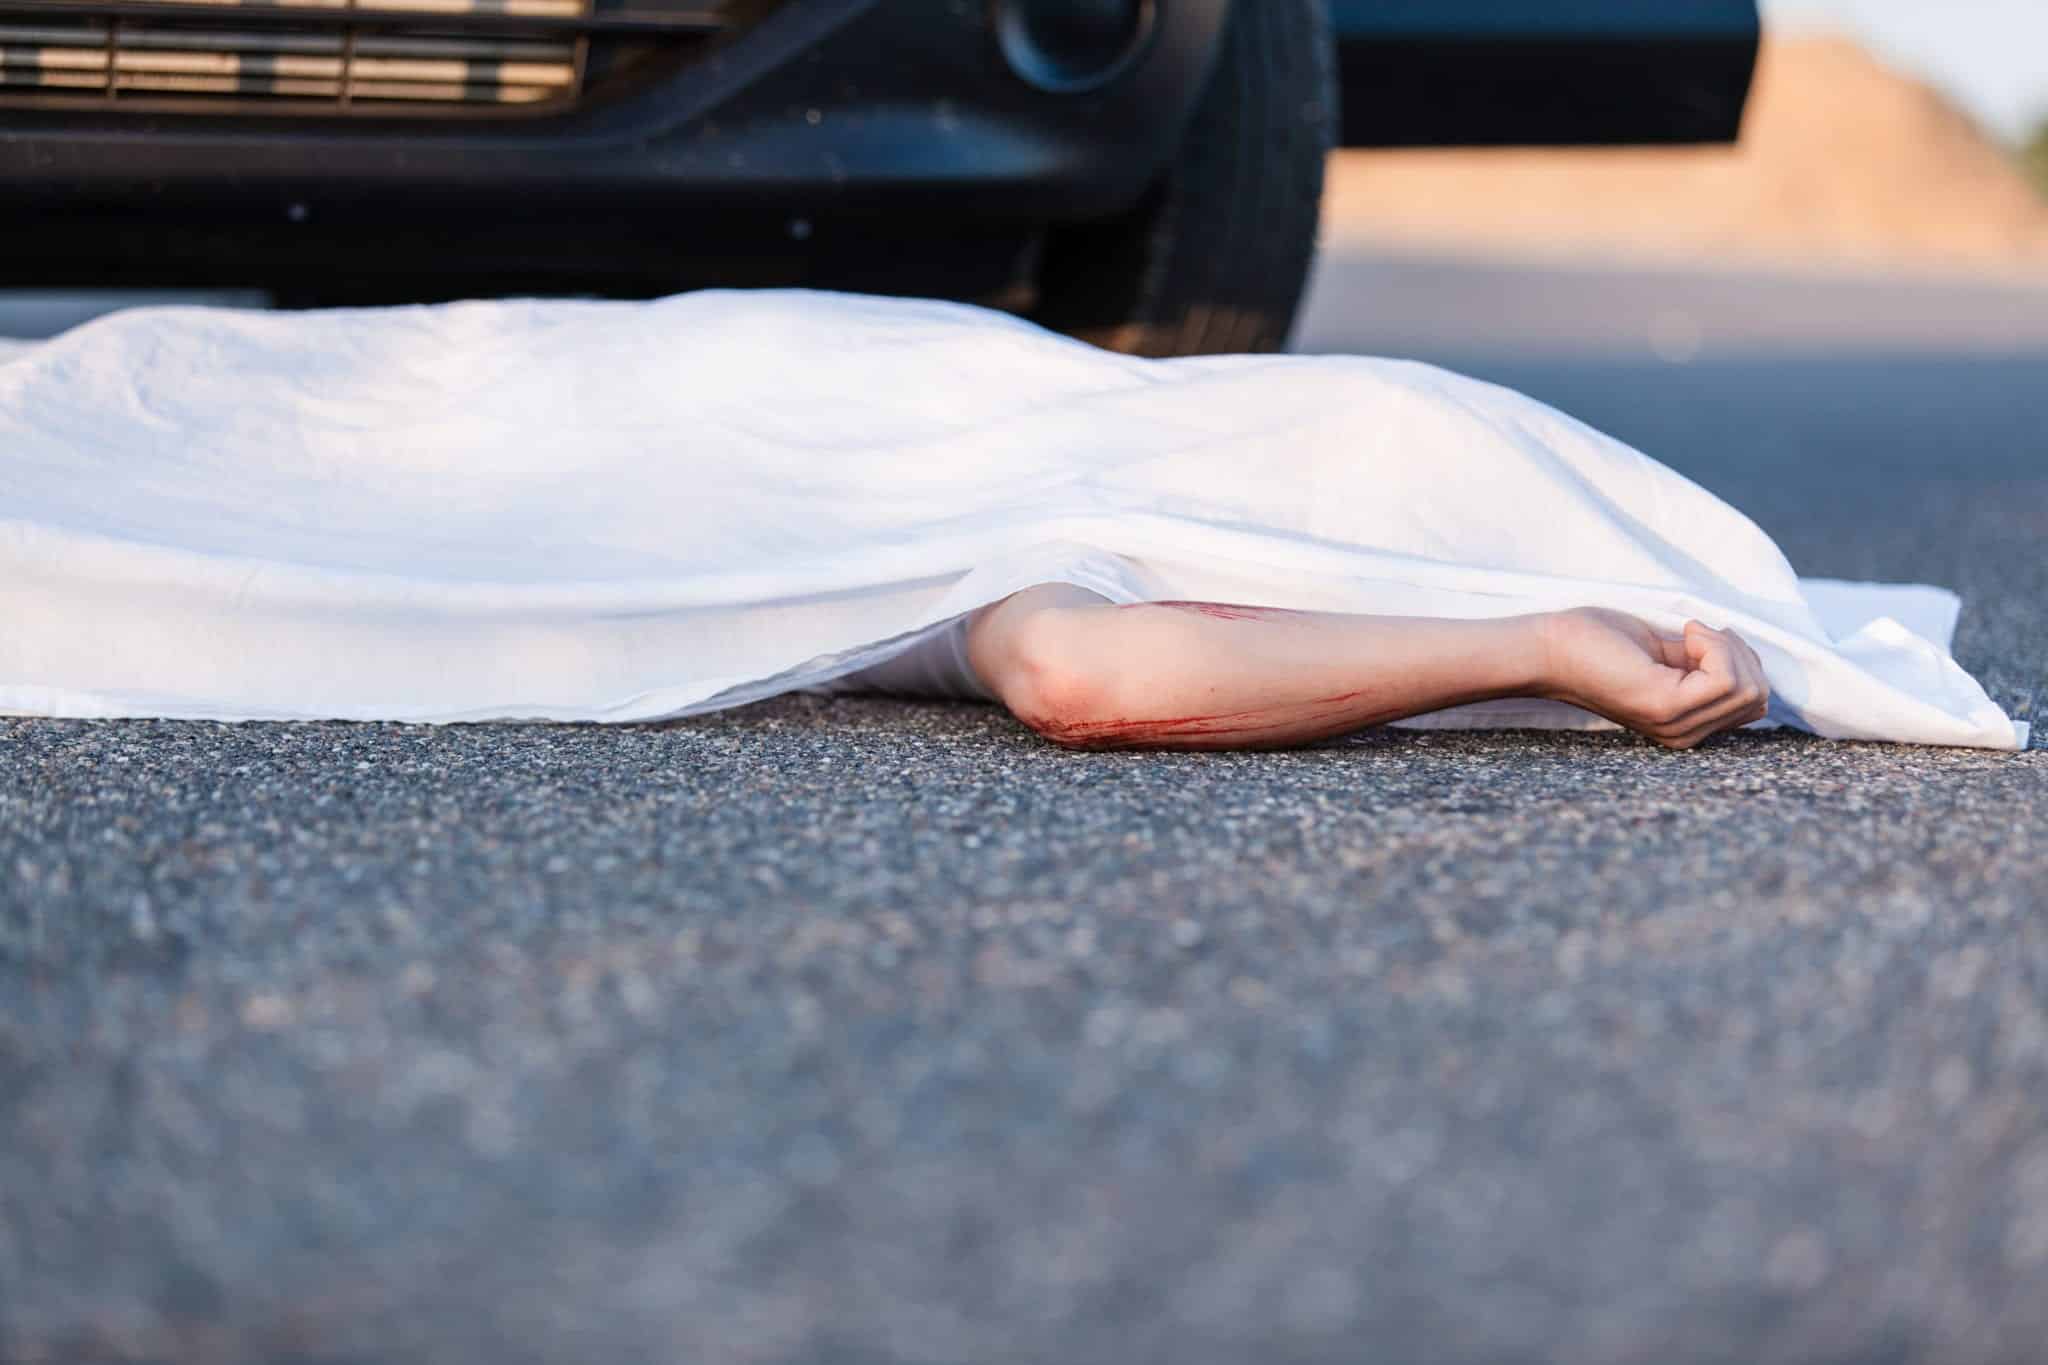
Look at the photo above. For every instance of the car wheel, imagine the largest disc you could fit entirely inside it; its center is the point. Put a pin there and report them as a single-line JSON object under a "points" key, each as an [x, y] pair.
{"points": [[1214, 258]]}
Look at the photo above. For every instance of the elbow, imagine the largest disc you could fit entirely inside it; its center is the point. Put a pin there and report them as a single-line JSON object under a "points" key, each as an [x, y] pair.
{"points": [[1054, 680]]}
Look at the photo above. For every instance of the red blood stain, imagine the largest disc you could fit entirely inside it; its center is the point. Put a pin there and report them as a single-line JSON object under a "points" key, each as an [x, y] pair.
{"points": [[1168, 731], [1163, 730], [1221, 611]]}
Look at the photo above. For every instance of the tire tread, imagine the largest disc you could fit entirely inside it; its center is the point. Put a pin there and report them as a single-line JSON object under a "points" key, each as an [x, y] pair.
{"points": [[1216, 259]]}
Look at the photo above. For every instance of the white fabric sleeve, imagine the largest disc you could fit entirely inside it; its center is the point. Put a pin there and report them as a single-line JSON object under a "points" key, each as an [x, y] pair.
{"points": [[935, 668]]}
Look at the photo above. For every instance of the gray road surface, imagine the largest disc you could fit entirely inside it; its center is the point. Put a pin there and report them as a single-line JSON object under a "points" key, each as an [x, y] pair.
{"points": [[858, 1032]]}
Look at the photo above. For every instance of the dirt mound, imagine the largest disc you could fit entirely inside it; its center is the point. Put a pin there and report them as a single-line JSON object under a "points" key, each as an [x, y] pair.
{"points": [[1842, 160]]}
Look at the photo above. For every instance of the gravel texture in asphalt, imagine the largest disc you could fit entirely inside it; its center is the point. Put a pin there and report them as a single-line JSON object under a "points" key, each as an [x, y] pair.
{"points": [[860, 1031]]}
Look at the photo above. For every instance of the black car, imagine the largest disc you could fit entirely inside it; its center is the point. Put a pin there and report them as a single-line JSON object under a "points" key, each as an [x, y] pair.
{"points": [[1145, 173]]}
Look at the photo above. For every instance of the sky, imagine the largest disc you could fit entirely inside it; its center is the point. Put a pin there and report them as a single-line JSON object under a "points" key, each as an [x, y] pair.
{"points": [[1990, 54]]}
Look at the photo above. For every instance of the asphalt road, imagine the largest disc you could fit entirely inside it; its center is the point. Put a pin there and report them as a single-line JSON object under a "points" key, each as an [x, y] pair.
{"points": [[859, 1031]]}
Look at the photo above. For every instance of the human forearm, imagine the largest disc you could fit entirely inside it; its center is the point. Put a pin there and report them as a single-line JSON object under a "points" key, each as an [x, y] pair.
{"points": [[1211, 676], [1207, 675]]}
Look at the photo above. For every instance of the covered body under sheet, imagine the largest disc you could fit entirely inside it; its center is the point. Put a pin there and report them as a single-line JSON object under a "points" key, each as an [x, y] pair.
{"points": [[621, 511]]}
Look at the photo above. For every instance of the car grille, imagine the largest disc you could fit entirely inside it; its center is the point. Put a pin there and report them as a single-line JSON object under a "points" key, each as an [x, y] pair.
{"points": [[338, 56]]}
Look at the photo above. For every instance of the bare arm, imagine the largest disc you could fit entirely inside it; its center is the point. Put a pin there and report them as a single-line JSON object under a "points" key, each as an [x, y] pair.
{"points": [[1205, 675]]}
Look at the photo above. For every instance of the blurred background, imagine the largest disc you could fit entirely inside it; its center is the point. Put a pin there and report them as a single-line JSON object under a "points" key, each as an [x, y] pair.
{"points": [[1890, 188], [1881, 134]]}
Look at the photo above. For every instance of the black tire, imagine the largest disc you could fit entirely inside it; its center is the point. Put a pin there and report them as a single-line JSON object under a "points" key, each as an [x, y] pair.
{"points": [[1214, 259]]}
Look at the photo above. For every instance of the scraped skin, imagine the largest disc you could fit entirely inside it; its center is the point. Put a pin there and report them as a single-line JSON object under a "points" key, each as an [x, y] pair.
{"points": [[1213, 675]]}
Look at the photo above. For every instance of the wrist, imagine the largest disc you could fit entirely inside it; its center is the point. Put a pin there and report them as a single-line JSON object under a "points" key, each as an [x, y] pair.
{"points": [[1550, 653], [1516, 656]]}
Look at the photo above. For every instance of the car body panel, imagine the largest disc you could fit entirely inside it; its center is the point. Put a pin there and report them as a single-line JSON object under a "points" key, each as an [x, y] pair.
{"points": [[851, 143], [1543, 72], [823, 102]]}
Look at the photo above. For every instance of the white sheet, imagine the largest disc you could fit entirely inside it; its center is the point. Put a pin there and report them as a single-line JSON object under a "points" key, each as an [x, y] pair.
{"points": [[615, 511]]}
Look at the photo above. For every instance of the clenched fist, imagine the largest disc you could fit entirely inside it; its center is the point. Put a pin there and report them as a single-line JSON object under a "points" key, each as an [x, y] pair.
{"points": [[1675, 691]]}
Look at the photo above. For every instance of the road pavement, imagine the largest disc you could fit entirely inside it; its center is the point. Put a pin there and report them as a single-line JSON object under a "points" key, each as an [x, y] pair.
{"points": [[851, 1030]]}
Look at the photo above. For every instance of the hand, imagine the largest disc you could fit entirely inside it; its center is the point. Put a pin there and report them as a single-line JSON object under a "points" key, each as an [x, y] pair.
{"points": [[1675, 691]]}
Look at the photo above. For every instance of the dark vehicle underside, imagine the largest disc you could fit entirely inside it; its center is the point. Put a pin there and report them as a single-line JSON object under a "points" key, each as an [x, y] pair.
{"points": [[1143, 172]]}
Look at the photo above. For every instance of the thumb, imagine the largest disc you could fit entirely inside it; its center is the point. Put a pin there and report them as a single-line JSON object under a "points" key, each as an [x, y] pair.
{"points": [[1712, 668], [1672, 653], [1700, 640]]}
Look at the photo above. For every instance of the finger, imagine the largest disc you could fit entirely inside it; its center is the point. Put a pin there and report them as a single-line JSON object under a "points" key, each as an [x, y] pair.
{"points": [[1700, 638], [1696, 725], [1746, 669], [1710, 723], [1756, 684], [1671, 652], [1713, 664], [1749, 701], [1742, 646], [1759, 678], [1721, 701], [1759, 697]]}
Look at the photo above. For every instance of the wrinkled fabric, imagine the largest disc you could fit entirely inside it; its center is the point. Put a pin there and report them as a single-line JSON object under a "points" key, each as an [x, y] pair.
{"points": [[936, 668], [605, 511]]}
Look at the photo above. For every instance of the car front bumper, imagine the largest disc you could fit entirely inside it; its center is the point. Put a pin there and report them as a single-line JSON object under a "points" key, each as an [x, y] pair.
{"points": [[820, 107]]}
